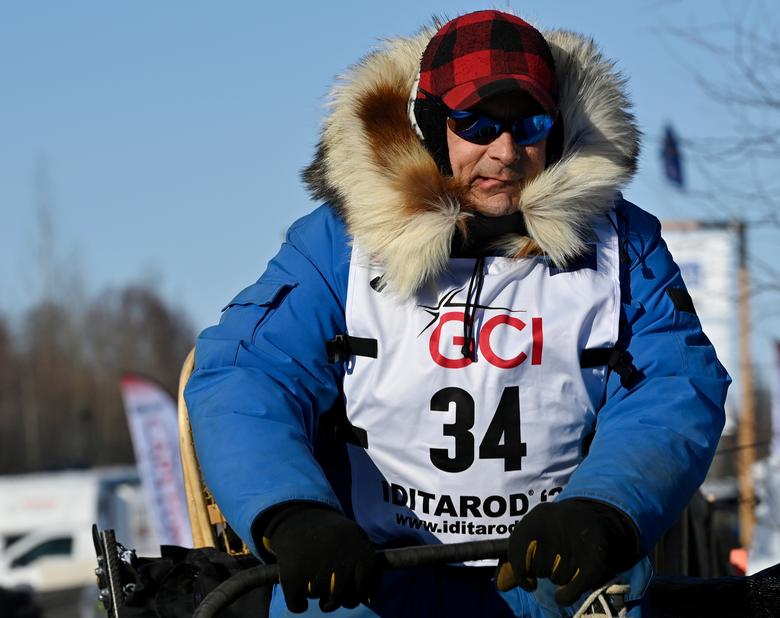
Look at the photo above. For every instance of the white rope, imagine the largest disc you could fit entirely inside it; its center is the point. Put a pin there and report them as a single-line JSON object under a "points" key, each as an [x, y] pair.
{"points": [[600, 595]]}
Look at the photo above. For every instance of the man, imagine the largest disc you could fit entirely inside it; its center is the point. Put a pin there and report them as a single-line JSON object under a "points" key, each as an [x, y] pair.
{"points": [[475, 337]]}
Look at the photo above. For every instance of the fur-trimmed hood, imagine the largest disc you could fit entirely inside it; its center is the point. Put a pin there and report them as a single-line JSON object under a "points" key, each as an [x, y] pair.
{"points": [[403, 211]]}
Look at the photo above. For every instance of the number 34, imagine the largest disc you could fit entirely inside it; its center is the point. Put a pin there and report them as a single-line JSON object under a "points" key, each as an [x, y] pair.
{"points": [[501, 441]]}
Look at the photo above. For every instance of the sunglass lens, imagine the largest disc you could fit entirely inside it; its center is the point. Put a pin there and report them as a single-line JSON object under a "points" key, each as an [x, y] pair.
{"points": [[477, 129], [485, 130], [532, 129]]}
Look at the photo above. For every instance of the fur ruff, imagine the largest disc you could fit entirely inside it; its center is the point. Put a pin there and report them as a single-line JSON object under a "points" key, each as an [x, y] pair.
{"points": [[373, 168]]}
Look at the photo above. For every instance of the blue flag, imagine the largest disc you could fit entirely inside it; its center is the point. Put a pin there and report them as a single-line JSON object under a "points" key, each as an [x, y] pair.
{"points": [[670, 153]]}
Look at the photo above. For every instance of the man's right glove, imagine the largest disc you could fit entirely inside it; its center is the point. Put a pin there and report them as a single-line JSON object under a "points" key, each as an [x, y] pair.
{"points": [[578, 544], [322, 555]]}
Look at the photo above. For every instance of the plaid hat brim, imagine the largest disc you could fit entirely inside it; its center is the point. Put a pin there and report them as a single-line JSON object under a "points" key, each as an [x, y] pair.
{"points": [[466, 96]]}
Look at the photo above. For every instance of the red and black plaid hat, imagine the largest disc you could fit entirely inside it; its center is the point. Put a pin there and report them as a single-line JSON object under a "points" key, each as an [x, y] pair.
{"points": [[486, 53]]}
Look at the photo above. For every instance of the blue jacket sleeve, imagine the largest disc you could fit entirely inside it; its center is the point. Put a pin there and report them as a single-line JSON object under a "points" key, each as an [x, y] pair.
{"points": [[654, 442], [262, 377]]}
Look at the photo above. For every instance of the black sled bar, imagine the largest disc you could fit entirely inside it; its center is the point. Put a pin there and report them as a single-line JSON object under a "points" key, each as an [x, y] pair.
{"points": [[405, 557]]}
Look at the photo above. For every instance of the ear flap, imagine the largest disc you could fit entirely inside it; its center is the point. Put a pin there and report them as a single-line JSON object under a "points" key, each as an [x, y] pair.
{"points": [[432, 121], [555, 142]]}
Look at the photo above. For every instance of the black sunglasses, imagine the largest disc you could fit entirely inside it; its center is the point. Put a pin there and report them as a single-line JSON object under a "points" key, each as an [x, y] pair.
{"points": [[482, 129]]}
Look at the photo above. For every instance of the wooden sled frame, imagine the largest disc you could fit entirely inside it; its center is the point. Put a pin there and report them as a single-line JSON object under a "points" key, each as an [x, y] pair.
{"points": [[209, 527]]}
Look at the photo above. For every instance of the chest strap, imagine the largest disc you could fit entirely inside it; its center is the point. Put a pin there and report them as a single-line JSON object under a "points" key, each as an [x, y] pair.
{"points": [[620, 361], [341, 347], [335, 426]]}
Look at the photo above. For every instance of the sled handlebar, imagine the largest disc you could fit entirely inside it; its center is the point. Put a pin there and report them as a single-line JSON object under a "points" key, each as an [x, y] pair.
{"points": [[405, 557]]}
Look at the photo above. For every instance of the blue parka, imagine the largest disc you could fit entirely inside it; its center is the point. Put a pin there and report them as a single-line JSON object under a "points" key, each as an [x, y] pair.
{"points": [[262, 378]]}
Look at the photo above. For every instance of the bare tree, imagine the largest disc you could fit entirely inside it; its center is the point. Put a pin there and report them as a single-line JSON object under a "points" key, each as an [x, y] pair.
{"points": [[130, 329], [11, 453], [54, 386], [737, 162], [60, 403]]}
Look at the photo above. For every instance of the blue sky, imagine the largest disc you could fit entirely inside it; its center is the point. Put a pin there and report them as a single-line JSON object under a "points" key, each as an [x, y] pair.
{"points": [[172, 133]]}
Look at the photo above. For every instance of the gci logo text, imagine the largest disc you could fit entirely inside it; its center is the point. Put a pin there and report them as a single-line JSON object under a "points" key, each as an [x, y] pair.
{"points": [[447, 353]]}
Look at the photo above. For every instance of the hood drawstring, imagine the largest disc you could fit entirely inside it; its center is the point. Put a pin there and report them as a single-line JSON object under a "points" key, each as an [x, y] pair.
{"points": [[469, 349], [477, 242]]}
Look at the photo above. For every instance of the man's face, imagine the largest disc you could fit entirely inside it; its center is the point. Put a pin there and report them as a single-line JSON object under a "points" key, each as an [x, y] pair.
{"points": [[495, 173]]}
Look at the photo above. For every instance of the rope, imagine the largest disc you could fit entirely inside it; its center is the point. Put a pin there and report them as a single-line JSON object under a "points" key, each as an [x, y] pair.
{"points": [[600, 595]]}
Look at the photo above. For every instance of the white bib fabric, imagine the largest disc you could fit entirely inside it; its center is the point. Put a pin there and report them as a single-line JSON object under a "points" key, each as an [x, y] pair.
{"points": [[461, 450]]}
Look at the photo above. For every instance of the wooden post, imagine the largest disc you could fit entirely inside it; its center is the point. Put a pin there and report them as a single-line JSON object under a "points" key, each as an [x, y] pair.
{"points": [[746, 432]]}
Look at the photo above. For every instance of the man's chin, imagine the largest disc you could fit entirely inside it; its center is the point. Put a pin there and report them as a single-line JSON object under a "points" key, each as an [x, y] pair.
{"points": [[492, 208], [494, 205]]}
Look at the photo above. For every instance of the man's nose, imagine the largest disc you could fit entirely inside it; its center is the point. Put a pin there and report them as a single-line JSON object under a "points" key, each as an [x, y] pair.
{"points": [[504, 149]]}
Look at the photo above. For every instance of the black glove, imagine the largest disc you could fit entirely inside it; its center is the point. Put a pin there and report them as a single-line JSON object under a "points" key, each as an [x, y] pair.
{"points": [[578, 544], [321, 555]]}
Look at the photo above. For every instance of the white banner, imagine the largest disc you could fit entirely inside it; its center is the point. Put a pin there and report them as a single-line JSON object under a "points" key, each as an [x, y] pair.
{"points": [[152, 417], [774, 448], [765, 548], [707, 260]]}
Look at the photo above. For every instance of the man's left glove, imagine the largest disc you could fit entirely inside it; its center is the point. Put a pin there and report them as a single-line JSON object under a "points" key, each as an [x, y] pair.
{"points": [[578, 544], [322, 555]]}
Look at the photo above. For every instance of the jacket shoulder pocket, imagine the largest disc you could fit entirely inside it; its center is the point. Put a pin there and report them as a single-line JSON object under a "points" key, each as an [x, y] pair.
{"points": [[262, 294], [250, 307]]}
